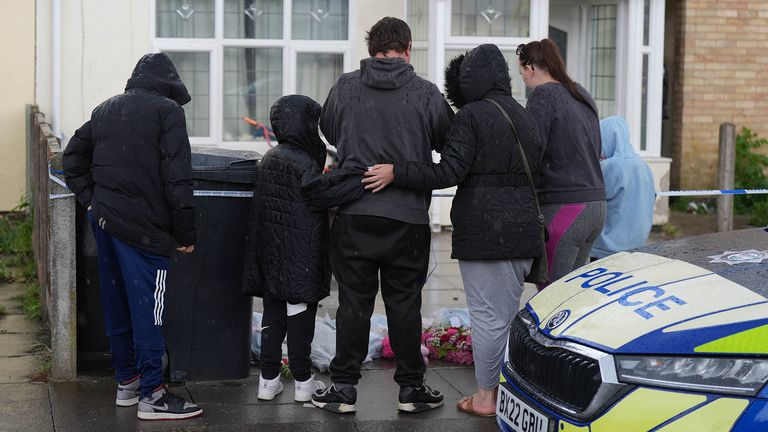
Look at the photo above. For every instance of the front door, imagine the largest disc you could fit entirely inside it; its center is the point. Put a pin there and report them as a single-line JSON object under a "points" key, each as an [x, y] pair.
{"points": [[586, 33]]}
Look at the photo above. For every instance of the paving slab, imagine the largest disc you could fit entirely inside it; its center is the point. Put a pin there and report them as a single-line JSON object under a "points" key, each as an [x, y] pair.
{"points": [[17, 323], [13, 345], [89, 405], [461, 380], [18, 369], [25, 407]]}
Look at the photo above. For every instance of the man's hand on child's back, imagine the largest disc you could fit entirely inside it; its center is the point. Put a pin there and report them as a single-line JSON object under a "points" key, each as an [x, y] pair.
{"points": [[186, 249]]}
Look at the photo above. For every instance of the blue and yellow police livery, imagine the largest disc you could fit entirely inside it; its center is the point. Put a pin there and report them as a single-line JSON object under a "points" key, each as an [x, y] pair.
{"points": [[669, 338]]}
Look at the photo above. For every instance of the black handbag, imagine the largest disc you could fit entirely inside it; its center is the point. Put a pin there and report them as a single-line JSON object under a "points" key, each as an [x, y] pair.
{"points": [[539, 273]]}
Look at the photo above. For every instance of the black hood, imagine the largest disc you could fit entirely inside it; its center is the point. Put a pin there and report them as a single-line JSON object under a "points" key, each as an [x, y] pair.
{"points": [[156, 72], [473, 76], [294, 121], [385, 73]]}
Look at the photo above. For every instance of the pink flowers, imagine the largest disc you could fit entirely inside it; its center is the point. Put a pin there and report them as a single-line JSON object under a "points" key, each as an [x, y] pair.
{"points": [[453, 344], [386, 350]]}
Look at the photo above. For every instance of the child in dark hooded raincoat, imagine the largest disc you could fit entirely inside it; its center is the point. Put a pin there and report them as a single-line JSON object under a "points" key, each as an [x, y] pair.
{"points": [[287, 262]]}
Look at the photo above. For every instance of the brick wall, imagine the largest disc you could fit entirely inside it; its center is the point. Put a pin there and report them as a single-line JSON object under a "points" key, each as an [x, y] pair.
{"points": [[722, 76]]}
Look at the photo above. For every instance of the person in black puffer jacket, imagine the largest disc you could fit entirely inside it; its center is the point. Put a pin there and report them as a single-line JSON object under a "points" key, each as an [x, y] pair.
{"points": [[495, 221], [130, 166], [288, 262]]}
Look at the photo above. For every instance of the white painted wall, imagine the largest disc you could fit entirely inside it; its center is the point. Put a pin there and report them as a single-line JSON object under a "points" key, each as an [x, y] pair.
{"points": [[101, 41], [17, 88], [366, 14]]}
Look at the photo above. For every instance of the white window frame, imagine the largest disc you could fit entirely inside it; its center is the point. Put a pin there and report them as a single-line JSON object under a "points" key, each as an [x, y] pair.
{"points": [[629, 57], [439, 38], [215, 47]]}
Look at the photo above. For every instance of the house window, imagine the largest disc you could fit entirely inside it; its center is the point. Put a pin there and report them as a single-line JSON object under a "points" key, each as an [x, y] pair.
{"points": [[195, 67], [185, 19], [237, 57], [602, 71], [502, 18], [460, 25]]}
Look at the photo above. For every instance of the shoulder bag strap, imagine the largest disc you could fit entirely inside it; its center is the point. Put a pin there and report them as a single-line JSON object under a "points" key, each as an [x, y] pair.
{"points": [[525, 160]]}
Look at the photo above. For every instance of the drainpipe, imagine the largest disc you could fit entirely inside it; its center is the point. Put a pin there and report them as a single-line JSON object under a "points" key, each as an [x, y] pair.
{"points": [[56, 63]]}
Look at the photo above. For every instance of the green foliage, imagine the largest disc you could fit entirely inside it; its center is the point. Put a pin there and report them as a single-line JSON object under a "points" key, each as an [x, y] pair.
{"points": [[5, 275], [30, 301], [670, 230], [751, 174], [3, 311], [16, 234]]}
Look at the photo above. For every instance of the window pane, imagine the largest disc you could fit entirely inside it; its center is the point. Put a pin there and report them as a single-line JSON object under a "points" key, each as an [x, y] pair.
{"points": [[418, 19], [602, 75], [320, 19], [195, 71], [316, 73], [518, 87], [419, 62], [253, 81], [504, 18], [253, 19], [646, 21], [185, 18], [644, 107]]}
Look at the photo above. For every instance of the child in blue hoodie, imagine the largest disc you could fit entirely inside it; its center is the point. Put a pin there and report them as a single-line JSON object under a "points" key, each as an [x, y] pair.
{"points": [[629, 190]]}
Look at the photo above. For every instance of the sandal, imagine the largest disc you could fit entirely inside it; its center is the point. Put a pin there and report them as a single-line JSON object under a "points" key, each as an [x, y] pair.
{"points": [[465, 405]]}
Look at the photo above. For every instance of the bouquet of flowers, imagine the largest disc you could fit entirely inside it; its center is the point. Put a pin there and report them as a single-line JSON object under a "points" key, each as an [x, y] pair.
{"points": [[453, 344]]}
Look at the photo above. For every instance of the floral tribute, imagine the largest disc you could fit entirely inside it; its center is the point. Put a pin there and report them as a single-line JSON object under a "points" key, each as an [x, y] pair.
{"points": [[453, 344]]}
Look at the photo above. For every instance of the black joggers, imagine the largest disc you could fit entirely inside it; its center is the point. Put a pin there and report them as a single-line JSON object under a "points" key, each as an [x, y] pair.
{"points": [[301, 330], [361, 247]]}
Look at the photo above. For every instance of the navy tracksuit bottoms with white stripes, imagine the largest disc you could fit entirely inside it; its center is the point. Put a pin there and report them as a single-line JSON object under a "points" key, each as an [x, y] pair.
{"points": [[132, 296]]}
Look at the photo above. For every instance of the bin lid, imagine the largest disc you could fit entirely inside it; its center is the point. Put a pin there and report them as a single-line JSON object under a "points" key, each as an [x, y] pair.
{"points": [[221, 165], [214, 159]]}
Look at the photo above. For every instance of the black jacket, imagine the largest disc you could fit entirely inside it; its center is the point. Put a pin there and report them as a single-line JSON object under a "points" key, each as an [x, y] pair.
{"points": [[494, 215], [570, 132], [132, 162], [385, 112], [288, 246]]}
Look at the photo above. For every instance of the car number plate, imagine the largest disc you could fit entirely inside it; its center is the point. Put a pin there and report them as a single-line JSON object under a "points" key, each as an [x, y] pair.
{"points": [[518, 415]]}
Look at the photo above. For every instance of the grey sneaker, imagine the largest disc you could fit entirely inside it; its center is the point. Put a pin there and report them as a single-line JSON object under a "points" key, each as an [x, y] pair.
{"points": [[128, 392], [164, 405]]}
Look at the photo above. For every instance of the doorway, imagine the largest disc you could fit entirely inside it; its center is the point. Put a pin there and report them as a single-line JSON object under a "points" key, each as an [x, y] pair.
{"points": [[587, 34]]}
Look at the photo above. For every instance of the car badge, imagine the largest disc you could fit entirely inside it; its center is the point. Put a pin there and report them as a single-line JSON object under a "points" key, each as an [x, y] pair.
{"points": [[558, 319], [740, 257]]}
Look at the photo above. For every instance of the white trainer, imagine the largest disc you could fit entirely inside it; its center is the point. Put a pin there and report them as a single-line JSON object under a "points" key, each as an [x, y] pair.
{"points": [[268, 389], [305, 389]]}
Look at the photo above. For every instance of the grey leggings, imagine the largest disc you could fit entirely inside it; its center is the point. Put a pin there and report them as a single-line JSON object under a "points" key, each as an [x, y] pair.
{"points": [[493, 291], [572, 228]]}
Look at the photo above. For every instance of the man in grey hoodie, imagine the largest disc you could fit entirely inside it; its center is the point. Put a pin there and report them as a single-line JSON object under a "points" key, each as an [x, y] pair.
{"points": [[382, 112]]}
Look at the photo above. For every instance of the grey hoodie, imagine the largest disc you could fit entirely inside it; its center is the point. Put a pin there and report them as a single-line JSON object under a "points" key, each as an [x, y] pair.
{"points": [[384, 112]]}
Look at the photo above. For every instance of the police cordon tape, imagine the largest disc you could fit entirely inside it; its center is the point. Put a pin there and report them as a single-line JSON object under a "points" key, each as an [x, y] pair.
{"points": [[248, 194]]}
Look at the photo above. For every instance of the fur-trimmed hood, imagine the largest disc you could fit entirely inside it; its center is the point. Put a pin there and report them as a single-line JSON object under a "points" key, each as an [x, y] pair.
{"points": [[472, 76]]}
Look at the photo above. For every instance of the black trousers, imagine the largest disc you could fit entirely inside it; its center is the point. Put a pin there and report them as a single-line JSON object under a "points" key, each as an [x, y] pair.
{"points": [[362, 247], [301, 330]]}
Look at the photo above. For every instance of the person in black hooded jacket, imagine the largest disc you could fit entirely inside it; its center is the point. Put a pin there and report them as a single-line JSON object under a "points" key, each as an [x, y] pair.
{"points": [[495, 220], [130, 166], [287, 263]]}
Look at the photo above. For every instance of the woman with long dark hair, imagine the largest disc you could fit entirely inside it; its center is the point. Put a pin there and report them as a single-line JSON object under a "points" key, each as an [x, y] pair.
{"points": [[570, 182]]}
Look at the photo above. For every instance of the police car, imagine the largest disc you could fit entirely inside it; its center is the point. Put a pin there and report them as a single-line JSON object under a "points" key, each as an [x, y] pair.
{"points": [[667, 338]]}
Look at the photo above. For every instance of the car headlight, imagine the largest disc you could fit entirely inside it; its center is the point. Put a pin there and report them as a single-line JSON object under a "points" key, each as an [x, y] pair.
{"points": [[736, 376]]}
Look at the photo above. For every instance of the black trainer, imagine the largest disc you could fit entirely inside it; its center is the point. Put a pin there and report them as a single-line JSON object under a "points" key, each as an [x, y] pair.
{"points": [[164, 405], [418, 399], [340, 401]]}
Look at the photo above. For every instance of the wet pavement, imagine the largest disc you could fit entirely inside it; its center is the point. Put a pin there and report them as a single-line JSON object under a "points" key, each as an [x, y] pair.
{"points": [[88, 404]]}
